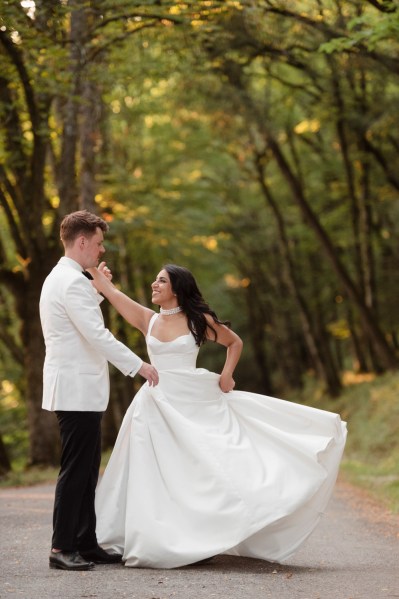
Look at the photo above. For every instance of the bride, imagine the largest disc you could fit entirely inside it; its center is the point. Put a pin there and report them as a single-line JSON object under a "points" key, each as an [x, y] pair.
{"points": [[199, 469]]}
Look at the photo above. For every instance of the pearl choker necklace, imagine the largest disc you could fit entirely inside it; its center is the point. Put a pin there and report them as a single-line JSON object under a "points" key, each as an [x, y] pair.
{"points": [[171, 311]]}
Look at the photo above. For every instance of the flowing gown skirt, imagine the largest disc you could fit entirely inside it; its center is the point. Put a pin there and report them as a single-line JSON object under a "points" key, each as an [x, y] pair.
{"points": [[196, 472]]}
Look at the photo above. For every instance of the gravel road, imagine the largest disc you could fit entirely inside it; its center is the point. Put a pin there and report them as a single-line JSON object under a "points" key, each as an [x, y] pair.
{"points": [[353, 554]]}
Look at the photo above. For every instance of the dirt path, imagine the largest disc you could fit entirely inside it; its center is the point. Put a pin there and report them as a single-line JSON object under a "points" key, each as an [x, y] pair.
{"points": [[353, 554]]}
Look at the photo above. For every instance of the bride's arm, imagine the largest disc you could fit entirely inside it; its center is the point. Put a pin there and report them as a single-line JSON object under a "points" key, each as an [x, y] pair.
{"points": [[134, 313], [233, 343]]}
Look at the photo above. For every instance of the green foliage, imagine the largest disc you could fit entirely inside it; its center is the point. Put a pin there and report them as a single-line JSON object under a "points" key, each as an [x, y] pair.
{"points": [[13, 414], [371, 30]]}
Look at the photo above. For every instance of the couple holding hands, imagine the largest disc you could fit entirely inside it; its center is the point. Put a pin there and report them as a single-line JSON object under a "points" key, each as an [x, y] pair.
{"points": [[198, 469]]}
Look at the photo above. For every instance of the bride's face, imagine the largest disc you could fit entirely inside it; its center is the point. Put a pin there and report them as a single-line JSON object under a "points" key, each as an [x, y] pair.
{"points": [[162, 292]]}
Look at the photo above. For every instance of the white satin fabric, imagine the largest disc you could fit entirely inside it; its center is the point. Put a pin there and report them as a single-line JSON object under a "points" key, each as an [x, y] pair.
{"points": [[196, 472]]}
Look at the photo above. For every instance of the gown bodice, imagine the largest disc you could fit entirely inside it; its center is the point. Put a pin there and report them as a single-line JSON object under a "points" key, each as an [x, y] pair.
{"points": [[179, 354]]}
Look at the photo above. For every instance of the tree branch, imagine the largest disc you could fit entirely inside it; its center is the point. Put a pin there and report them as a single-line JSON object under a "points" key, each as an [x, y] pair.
{"points": [[390, 62], [14, 135], [384, 6], [21, 248], [128, 15], [16, 58], [382, 161], [11, 345], [91, 56], [14, 280]]}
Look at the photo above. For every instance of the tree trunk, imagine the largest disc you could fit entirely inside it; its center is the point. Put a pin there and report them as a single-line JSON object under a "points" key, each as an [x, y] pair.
{"points": [[67, 168], [324, 371], [257, 336], [43, 428], [89, 142], [348, 170], [5, 464], [365, 214], [358, 347], [290, 351]]}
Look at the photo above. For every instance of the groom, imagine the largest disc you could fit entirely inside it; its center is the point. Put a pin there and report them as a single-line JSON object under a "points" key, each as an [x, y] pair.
{"points": [[76, 387]]}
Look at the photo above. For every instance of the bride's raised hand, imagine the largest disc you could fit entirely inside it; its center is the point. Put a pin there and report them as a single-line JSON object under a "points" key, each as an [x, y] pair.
{"points": [[102, 277], [134, 313], [102, 267]]}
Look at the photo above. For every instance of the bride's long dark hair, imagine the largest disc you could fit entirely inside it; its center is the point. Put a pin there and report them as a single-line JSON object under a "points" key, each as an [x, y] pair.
{"points": [[190, 299]]}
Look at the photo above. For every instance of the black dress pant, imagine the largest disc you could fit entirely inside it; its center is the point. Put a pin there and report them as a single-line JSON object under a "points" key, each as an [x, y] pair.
{"points": [[74, 518]]}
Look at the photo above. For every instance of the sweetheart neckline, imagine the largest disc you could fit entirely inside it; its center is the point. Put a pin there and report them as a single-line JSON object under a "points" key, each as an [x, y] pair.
{"points": [[171, 341]]}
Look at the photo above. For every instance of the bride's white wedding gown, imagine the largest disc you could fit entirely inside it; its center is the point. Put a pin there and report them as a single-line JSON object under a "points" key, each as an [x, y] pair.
{"points": [[196, 472]]}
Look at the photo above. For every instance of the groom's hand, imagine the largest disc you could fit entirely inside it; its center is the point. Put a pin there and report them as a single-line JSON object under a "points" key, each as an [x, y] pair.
{"points": [[150, 373]]}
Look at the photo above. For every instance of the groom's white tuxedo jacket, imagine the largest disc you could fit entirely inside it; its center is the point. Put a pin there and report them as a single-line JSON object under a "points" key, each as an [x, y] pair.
{"points": [[78, 346]]}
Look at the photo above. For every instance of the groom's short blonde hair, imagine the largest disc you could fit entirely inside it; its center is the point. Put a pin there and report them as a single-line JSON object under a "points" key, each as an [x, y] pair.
{"points": [[81, 222]]}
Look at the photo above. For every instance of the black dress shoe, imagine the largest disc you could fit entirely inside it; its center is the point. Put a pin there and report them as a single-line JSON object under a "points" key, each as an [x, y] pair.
{"points": [[98, 555], [63, 560]]}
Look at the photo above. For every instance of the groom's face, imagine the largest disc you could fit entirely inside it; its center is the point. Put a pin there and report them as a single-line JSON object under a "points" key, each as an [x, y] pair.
{"points": [[93, 249]]}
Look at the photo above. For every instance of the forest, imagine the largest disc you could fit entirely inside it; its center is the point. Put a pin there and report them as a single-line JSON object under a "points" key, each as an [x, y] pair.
{"points": [[253, 141]]}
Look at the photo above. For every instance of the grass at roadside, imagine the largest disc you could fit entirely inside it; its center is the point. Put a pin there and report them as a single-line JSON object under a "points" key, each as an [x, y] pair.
{"points": [[371, 409], [20, 476], [26, 477]]}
